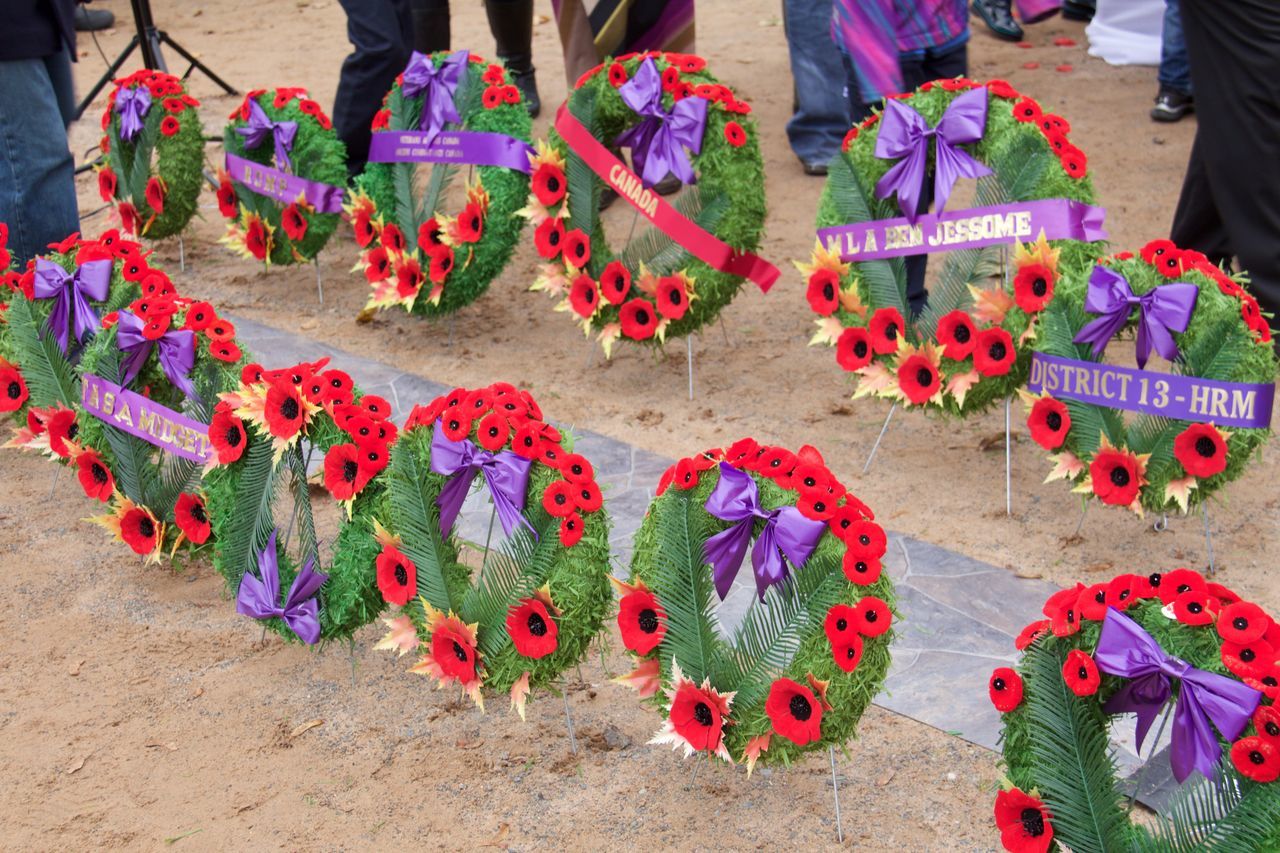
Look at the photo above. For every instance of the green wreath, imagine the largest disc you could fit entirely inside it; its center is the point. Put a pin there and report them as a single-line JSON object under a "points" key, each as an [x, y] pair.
{"points": [[262, 227], [154, 147], [970, 347], [1150, 461], [811, 651], [539, 598], [136, 475], [258, 434], [653, 288], [1057, 705], [397, 209]]}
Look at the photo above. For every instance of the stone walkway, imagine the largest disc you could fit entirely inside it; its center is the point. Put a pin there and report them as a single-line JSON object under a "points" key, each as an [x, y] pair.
{"points": [[959, 616]]}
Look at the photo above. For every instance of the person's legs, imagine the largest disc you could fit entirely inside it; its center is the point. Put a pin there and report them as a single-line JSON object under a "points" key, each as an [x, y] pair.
{"points": [[379, 30], [511, 22], [821, 116], [1174, 100], [430, 25], [37, 174], [1196, 222], [58, 67]]}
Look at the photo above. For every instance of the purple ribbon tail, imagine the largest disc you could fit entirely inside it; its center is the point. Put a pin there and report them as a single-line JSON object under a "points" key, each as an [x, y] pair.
{"points": [[506, 475], [725, 551], [258, 597], [301, 610], [452, 497]]}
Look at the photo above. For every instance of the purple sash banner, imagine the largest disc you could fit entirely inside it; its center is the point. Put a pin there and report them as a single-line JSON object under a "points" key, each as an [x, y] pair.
{"points": [[146, 419], [1182, 398], [283, 187], [1059, 218], [471, 147]]}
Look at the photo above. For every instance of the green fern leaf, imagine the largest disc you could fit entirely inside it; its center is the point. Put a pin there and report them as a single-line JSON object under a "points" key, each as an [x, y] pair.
{"points": [[416, 520], [886, 280]]}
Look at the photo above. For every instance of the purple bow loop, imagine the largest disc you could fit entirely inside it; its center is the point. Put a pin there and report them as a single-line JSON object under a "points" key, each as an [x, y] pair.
{"points": [[505, 473], [786, 531], [259, 598], [72, 314], [261, 126], [658, 142], [904, 136], [1205, 699], [1164, 309], [132, 106], [176, 350], [437, 85]]}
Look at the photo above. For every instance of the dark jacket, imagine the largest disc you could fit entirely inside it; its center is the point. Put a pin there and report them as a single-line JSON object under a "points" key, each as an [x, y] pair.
{"points": [[32, 29]]}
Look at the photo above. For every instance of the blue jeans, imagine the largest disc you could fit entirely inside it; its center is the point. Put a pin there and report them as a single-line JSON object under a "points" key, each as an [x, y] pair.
{"points": [[1175, 67], [821, 113], [37, 174]]}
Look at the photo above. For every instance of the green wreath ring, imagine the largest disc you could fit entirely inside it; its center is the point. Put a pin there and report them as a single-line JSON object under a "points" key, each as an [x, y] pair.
{"points": [[265, 435], [538, 599], [812, 647], [154, 496], [653, 288], [153, 144], [417, 256], [1172, 642], [1155, 460], [262, 226], [970, 347]]}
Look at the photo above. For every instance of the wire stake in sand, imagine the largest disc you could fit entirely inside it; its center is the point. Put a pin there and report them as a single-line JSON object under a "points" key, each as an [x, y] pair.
{"points": [[697, 763], [1208, 537], [1161, 524], [57, 472], [835, 791], [728, 343], [568, 718], [182, 254], [319, 283], [689, 358], [1008, 460], [879, 438], [1080, 524]]}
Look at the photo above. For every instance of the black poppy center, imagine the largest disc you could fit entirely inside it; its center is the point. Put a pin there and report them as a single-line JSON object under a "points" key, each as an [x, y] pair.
{"points": [[560, 499], [850, 653], [673, 296], [1119, 476], [1272, 729], [871, 616], [961, 334], [1239, 623], [648, 620], [402, 576], [99, 473], [1100, 596], [924, 376], [1269, 681], [860, 349], [576, 469], [998, 684], [475, 223], [1154, 579], [861, 567], [1247, 655], [146, 528], [1183, 587], [553, 237], [537, 625], [197, 510], [828, 291], [1039, 287], [459, 652], [1195, 607], [842, 624], [891, 331], [702, 713], [73, 430], [1032, 822], [997, 351], [553, 184], [289, 408], [864, 540], [800, 708], [349, 470], [232, 438], [13, 389], [1053, 420], [1083, 674], [1205, 447], [642, 317], [1256, 757]]}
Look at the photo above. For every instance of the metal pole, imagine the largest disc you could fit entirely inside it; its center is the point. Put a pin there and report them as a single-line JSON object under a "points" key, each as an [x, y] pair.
{"points": [[57, 472], [484, 561], [1161, 524], [1080, 523], [725, 330], [319, 283], [697, 764], [879, 438], [1008, 459], [182, 254], [689, 351], [835, 790], [568, 719], [1208, 537]]}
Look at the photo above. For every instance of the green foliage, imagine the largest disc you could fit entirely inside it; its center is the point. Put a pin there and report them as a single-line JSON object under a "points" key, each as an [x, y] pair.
{"points": [[682, 582]]}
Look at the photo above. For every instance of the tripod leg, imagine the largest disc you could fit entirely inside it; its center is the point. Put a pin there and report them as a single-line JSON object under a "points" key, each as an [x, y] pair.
{"points": [[108, 76], [196, 64]]}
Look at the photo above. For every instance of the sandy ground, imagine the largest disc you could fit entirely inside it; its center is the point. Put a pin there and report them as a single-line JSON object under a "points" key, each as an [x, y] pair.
{"points": [[138, 710]]}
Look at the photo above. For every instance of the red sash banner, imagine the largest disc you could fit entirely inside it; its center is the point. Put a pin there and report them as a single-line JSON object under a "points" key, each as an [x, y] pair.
{"points": [[702, 245]]}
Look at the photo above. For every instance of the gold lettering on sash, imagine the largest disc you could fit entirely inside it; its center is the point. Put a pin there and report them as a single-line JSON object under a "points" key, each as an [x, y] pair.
{"points": [[123, 415], [1242, 403], [108, 403]]}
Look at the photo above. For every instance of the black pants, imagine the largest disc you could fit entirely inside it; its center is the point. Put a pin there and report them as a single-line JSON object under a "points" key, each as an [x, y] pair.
{"points": [[917, 69], [380, 31], [1230, 203]]}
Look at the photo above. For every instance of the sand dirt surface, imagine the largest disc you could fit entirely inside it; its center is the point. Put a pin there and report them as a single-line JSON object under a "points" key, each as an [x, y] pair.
{"points": [[138, 710]]}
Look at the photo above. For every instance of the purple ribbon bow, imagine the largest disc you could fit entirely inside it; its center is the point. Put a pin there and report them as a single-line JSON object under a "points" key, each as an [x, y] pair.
{"points": [[177, 352], [657, 143], [904, 136], [132, 106], [258, 598], [505, 473], [1163, 309], [437, 84], [786, 531], [72, 314], [261, 126], [1126, 650]]}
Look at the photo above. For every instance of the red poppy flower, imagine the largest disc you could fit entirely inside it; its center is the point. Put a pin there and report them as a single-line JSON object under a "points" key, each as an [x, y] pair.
{"points": [[1049, 422], [397, 576], [872, 617], [1031, 633], [227, 436], [587, 495], [570, 530], [1247, 660], [453, 652], [886, 330], [441, 264], [861, 570], [342, 475], [1201, 450], [493, 432], [510, 94], [615, 282], [866, 539], [1155, 249], [107, 183], [638, 319], [532, 629], [471, 223], [584, 297], [673, 300], [257, 239], [548, 238], [1023, 821], [1005, 689], [62, 428], [227, 200], [494, 75], [189, 514], [1243, 622], [128, 217], [794, 710], [918, 379], [1227, 596], [854, 348], [13, 388], [548, 184], [641, 621], [840, 624], [993, 353], [1195, 608], [617, 74], [373, 457], [559, 499], [697, 716], [1081, 673], [294, 222], [1001, 89], [95, 477], [224, 351], [409, 277], [1033, 287], [1172, 584], [686, 474], [823, 292], [1074, 162], [576, 468], [199, 316], [847, 654], [1027, 110], [477, 402], [169, 126], [734, 134], [154, 194], [957, 335], [1122, 591], [491, 98], [1256, 758], [392, 238], [362, 223], [577, 249], [221, 330], [140, 530], [284, 411], [1267, 722], [1116, 478]]}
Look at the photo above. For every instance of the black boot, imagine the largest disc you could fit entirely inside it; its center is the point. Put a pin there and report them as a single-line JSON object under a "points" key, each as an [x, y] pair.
{"points": [[998, 16], [430, 25], [511, 22]]}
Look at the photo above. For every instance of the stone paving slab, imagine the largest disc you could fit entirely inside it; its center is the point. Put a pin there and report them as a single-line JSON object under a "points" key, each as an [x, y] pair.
{"points": [[959, 616]]}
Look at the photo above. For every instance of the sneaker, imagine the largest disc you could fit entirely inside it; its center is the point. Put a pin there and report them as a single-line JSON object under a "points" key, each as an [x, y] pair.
{"points": [[1172, 105]]}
